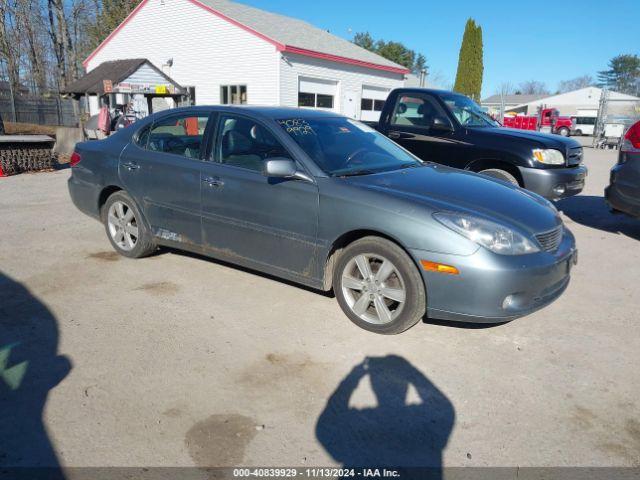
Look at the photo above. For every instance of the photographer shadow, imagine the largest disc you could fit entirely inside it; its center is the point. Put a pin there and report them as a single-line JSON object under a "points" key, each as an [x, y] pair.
{"points": [[398, 431], [29, 368]]}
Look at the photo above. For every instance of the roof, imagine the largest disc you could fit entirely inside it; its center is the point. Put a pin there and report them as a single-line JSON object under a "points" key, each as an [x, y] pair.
{"points": [[116, 71], [515, 99], [287, 34]]}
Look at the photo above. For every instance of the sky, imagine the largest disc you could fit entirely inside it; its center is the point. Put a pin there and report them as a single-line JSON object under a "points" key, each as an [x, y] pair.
{"points": [[548, 41]]}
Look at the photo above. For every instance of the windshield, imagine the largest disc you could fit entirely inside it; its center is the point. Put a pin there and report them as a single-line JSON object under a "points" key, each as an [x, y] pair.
{"points": [[468, 112], [341, 146]]}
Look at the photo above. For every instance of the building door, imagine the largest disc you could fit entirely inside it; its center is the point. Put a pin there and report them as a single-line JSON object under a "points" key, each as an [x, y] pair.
{"points": [[350, 104], [373, 99], [317, 93]]}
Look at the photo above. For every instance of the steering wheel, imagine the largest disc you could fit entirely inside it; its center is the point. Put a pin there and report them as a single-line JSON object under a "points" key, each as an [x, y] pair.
{"points": [[355, 154]]}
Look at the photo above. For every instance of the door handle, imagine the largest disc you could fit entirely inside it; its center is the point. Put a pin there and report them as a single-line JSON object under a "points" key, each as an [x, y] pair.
{"points": [[130, 166], [213, 181], [395, 135]]}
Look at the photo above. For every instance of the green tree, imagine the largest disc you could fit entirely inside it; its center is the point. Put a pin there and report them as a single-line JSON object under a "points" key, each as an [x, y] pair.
{"points": [[395, 51], [110, 15], [470, 64], [623, 74]]}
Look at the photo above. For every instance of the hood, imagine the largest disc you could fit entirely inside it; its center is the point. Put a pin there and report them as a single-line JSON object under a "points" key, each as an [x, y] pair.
{"points": [[541, 140], [443, 188]]}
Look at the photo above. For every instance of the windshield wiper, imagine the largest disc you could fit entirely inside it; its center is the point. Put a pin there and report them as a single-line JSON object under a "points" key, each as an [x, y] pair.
{"points": [[355, 173]]}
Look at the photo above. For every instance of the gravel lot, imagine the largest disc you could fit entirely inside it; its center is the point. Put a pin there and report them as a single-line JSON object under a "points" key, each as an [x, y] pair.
{"points": [[176, 360]]}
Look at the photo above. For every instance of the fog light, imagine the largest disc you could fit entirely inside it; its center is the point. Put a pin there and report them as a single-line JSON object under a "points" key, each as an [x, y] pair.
{"points": [[559, 189]]}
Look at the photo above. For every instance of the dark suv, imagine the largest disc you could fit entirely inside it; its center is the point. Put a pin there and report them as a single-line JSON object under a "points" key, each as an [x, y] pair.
{"points": [[449, 128]]}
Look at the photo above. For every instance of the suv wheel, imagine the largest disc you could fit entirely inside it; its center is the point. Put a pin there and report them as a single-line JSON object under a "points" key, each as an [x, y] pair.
{"points": [[500, 175], [126, 228], [378, 286]]}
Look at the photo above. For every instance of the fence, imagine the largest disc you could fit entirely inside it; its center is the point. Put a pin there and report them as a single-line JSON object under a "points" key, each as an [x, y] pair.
{"points": [[39, 110]]}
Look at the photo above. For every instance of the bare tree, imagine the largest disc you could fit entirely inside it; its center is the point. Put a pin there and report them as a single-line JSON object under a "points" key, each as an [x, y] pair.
{"points": [[61, 38], [27, 16], [576, 83], [533, 87]]}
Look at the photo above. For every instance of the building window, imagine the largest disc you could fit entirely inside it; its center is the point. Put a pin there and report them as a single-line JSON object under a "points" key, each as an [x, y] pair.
{"points": [[233, 94], [315, 100], [371, 105]]}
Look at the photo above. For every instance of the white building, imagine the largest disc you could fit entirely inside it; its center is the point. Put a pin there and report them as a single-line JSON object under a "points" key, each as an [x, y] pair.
{"points": [[569, 103], [226, 52]]}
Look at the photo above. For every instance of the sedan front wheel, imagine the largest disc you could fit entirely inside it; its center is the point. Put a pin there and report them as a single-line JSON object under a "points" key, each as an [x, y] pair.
{"points": [[379, 287]]}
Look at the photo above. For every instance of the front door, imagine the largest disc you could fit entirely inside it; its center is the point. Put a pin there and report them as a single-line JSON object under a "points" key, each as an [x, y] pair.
{"points": [[161, 171], [249, 218], [350, 104], [412, 126]]}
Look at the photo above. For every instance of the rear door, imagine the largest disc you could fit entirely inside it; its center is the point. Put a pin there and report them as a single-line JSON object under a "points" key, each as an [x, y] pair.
{"points": [[161, 171], [411, 125], [248, 217]]}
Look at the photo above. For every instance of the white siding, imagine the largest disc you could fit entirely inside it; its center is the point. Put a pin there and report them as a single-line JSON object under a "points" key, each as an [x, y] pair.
{"points": [[350, 78], [146, 74], [207, 51]]}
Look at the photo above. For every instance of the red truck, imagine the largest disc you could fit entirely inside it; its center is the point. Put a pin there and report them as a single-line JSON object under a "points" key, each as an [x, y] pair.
{"points": [[547, 120]]}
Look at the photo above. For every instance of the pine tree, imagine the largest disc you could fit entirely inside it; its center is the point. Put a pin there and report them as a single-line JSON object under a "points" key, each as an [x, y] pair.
{"points": [[470, 66]]}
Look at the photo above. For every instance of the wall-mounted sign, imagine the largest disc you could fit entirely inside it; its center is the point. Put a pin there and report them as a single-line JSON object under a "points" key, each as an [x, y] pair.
{"points": [[161, 89], [107, 86]]}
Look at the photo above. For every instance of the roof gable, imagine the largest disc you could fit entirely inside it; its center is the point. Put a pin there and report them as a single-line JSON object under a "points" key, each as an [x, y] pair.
{"points": [[285, 33]]}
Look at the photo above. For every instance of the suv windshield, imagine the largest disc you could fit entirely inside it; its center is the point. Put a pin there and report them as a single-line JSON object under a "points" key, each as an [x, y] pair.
{"points": [[343, 147], [467, 112]]}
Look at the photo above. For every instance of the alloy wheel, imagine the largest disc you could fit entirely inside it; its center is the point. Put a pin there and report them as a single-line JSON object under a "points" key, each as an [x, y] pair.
{"points": [[123, 226], [373, 288]]}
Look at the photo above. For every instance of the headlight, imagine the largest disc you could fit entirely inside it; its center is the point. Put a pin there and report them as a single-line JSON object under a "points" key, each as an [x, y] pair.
{"points": [[495, 237], [548, 156]]}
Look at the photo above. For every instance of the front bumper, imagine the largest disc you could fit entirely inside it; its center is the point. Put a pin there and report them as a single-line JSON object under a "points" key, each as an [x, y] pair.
{"points": [[494, 288], [554, 183], [623, 193]]}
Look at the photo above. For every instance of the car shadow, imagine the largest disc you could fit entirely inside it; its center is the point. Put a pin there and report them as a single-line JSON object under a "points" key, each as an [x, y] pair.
{"points": [[401, 430], [29, 368], [592, 211]]}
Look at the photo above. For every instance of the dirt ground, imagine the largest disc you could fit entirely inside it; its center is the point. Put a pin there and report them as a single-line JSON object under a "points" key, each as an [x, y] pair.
{"points": [[176, 360]]}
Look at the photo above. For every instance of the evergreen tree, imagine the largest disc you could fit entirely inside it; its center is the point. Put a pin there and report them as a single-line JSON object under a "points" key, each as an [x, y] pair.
{"points": [[470, 64], [395, 51], [112, 14], [623, 74]]}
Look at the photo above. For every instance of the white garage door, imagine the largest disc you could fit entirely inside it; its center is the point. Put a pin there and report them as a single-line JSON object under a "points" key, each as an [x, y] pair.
{"points": [[317, 93], [372, 101]]}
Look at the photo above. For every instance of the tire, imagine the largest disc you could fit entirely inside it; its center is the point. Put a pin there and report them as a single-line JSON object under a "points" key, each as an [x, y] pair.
{"points": [[406, 303], [563, 132], [126, 227], [500, 175]]}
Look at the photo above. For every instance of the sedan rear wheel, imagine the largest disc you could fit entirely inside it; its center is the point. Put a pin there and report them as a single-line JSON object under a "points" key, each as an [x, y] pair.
{"points": [[378, 286], [126, 228]]}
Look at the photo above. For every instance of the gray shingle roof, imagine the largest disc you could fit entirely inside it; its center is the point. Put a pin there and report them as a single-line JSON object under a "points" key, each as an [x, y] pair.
{"points": [[116, 71], [514, 99], [295, 33]]}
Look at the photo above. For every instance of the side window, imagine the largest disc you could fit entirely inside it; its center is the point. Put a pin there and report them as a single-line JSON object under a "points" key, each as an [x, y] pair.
{"points": [[178, 134], [416, 111], [143, 137], [245, 143]]}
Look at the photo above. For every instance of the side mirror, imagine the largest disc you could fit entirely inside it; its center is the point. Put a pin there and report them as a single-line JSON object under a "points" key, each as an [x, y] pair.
{"points": [[280, 167], [441, 125]]}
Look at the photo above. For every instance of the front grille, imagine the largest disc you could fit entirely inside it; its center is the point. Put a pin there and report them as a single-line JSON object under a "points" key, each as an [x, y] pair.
{"points": [[549, 241], [575, 156]]}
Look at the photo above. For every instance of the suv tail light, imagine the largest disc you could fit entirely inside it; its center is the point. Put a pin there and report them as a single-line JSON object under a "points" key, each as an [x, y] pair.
{"points": [[631, 142], [75, 159]]}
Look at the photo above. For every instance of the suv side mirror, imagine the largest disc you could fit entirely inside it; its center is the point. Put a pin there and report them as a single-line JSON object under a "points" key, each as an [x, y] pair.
{"points": [[280, 167], [441, 125]]}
